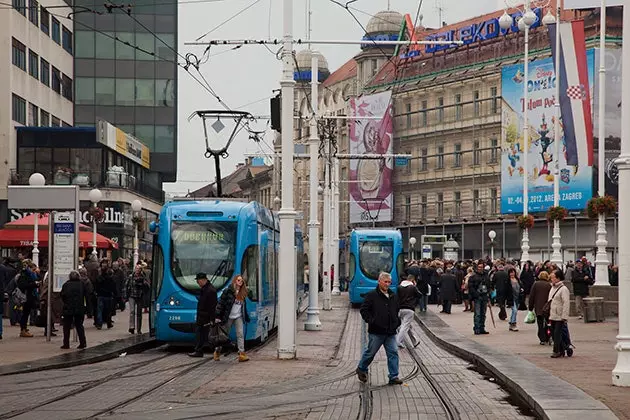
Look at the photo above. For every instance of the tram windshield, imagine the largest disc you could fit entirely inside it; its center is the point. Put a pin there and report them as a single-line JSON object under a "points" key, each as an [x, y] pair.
{"points": [[375, 257], [207, 247]]}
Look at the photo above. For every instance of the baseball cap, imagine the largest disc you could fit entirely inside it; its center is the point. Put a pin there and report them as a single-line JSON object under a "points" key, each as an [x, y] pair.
{"points": [[200, 276]]}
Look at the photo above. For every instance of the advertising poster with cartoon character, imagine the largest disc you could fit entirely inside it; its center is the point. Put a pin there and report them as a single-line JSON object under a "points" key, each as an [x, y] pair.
{"points": [[371, 179], [576, 176]]}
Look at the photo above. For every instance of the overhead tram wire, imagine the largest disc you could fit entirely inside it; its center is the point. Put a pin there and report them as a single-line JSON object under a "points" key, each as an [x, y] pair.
{"points": [[165, 3], [229, 19]]}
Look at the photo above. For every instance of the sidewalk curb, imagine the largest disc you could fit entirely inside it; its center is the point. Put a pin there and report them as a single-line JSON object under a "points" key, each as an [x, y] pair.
{"points": [[99, 353], [548, 396]]}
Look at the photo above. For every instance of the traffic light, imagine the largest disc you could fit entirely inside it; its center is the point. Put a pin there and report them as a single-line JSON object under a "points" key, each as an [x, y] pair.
{"points": [[276, 113]]}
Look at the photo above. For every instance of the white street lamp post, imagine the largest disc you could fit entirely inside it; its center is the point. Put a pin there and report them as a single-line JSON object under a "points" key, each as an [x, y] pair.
{"points": [[312, 313], [335, 224], [621, 372], [36, 180], [136, 206], [601, 257], [412, 243], [492, 234], [286, 283], [95, 196]]}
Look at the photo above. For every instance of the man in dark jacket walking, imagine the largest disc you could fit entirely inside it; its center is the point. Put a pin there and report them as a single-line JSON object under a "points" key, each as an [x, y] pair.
{"points": [[501, 281], [479, 289], [448, 288], [73, 295], [581, 279], [206, 307], [380, 311]]}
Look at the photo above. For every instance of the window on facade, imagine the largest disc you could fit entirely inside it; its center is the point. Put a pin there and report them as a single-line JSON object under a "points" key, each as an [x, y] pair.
{"points": [[459, 108], [56, 79], [458, 155], [146, 42], [423, 206], [20, 6], [44, 118], [66, 87], [44, 20], [164, 93], [407, 208], [106, 47], [19, 54], [33, 64], [476, 202], [164, 46], [18, 109], [56, 31], [146, 134], [44, 72], [440, 205], [55, 122], [494, 201], [84, 90], [440, 111], [476, 153], [33, 12], [33, 115], [105, 92], [495, 100], [84, 44], [476, 103], [164, 139], [125, 92], [66, 39], [440, 157], [424, 160], [374, 67], [458, 203], [423, 114], [408, 112], [494, 151], [145, 92], [408, 165]]}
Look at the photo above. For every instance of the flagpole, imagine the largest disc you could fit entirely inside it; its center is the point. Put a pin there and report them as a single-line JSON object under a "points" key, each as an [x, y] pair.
{"points": [[556, 256], [601, 258]]}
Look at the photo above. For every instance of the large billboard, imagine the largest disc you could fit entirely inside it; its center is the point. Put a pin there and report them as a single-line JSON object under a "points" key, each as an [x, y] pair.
{"points": [[576, 180], [370, 187]]}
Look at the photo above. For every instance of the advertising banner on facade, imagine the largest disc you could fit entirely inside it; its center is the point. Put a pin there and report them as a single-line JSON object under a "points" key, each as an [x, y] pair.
{"points": [[576, 174], [371, 197], [123, 143]]}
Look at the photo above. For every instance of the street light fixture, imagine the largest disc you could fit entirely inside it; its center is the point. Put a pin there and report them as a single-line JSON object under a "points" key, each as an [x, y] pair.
{"points": [[412, 242], [36, 180], [492, 234], [95, 196], [136, 206]]}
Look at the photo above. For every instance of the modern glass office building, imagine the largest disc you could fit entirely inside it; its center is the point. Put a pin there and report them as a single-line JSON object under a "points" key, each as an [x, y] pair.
{"points": [[130, 82]]}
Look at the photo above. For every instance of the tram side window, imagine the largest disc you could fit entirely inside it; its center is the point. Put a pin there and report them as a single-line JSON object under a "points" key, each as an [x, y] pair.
{"points": [[249, 270], [158, 269], [352, 267], [400, 265]]}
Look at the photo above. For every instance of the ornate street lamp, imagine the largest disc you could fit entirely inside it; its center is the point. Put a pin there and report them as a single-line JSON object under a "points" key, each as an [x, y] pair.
{"points": [[136, 206], [95, 196], [36, 180]]}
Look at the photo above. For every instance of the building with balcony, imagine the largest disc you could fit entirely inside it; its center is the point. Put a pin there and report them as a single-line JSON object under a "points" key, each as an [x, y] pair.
{"points": [[37, 85], [83, 156]]}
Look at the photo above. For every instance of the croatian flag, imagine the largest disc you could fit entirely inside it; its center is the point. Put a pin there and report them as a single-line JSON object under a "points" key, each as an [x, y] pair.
{"points": [[575, 97]]}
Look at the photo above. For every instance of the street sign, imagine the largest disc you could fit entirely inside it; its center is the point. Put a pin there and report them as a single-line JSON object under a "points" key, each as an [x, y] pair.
{"points": [[64, 256], [427, 251]]}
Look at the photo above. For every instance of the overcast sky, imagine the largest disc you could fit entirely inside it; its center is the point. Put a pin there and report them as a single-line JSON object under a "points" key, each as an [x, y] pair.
{"points": [[250, 73]]}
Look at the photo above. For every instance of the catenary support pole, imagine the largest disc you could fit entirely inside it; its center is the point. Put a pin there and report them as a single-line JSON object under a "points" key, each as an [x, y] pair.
{"points": [[286, 281], [601, 257], [326, 240], [556, 255], [621, 372], [335, 220], [525, 239], [312, 314]]}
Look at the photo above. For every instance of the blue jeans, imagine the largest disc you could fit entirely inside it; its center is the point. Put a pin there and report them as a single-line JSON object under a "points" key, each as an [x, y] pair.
{"points": [[391, 349], [422, 302], [103, 311], [514, 312], [481, 304]]}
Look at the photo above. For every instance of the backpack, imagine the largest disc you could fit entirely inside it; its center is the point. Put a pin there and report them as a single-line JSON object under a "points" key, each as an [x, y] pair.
{"points": [[18, 296]]}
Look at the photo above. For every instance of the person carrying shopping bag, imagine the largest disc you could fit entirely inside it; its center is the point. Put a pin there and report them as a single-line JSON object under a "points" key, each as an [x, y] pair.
{"points": [[232, 310]]}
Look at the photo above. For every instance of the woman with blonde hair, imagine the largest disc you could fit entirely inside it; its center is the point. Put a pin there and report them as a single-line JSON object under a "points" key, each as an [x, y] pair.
{"points": [[538, 297], [232, 310]]}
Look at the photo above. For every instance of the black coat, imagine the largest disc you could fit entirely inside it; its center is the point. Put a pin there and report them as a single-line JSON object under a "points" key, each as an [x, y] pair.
{"points": [[224, 306], [448, 286], [502, 285], [73, 295], [408, 295], [479, 285], [207, 304], [527, 280], [381, 312], [580, 285], [105, 285]]}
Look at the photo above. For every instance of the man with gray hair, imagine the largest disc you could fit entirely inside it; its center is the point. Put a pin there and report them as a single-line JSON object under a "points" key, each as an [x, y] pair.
{"points": [[73, 295], [380, 311]]}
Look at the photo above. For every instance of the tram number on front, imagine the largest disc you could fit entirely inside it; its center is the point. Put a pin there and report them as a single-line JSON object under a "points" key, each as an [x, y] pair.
{"points": [[174, 318]]}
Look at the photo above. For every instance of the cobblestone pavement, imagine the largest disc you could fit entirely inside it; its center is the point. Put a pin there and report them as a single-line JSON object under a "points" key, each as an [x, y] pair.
{"points": [[320, 384]]}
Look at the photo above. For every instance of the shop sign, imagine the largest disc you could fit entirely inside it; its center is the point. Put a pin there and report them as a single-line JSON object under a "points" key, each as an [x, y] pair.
{"points": [[113, 215]]}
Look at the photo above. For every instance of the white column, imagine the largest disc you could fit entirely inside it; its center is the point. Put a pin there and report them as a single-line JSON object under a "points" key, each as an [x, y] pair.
{"points": [[601, 258], [94, 243], [621, 372], [556, 256], [286, 281], [312, 313], [525, 240], [326, 242], [335, 220], [36, 237]]}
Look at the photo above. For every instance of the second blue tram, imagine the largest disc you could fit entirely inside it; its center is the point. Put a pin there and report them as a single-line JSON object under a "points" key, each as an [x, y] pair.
{"points": [[221, 239], [373, 251]]}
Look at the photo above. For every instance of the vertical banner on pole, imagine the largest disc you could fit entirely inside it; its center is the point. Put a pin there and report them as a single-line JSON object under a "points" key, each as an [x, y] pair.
{"points": [[64, 257]]}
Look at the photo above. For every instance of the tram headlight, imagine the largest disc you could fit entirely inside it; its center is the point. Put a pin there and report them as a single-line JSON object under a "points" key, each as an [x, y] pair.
{"points": [[172, 301]]}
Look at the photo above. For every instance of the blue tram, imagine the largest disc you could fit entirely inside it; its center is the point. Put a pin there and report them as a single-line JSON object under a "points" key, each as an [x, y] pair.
{"points": [[371, 252], [223, 239]]}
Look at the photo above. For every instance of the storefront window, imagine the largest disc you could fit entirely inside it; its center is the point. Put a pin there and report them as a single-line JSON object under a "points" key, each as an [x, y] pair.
{"points": [[43, 162], [26, 161]]}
